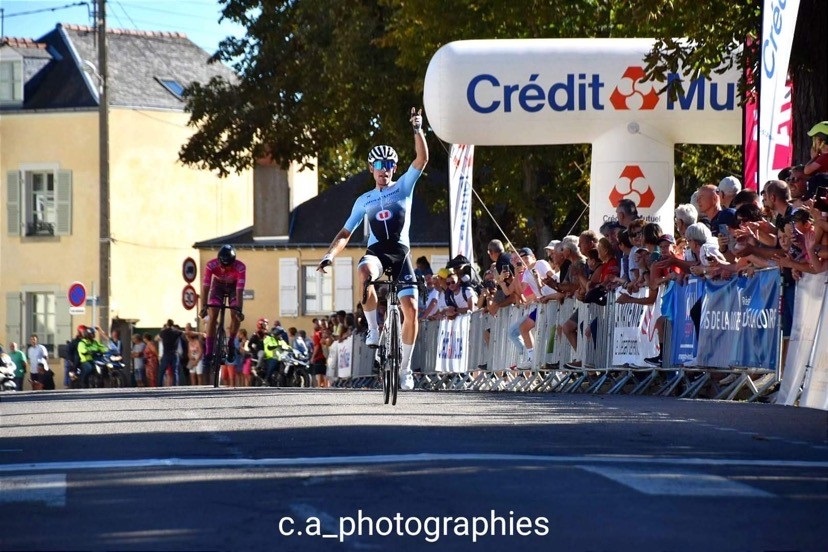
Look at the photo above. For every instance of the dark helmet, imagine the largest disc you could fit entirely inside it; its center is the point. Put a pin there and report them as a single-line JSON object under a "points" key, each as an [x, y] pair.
{"points": [[89, 332], [262, 324], [226, 255]]}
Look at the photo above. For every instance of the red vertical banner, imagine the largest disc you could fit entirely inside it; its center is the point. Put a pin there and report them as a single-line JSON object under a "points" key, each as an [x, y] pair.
{"points": [[750, 146]]}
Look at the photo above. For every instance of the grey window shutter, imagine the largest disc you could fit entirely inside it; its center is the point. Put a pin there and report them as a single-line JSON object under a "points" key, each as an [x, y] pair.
{"points": [[17, 88], [13, 203], [288, 287], [343, 284], [63, 203], [13, 330]]}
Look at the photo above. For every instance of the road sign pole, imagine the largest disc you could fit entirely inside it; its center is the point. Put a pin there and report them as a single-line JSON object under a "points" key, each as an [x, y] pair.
{"points": [[94, 307]]}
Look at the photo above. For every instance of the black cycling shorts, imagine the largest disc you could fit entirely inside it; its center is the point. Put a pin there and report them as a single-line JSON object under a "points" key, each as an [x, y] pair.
{"points": [[396, 259]]}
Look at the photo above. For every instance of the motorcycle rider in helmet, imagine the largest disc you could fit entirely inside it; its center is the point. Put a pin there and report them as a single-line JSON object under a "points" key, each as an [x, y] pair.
{"points": [[274, 350], [256, 341], [87, 347]]}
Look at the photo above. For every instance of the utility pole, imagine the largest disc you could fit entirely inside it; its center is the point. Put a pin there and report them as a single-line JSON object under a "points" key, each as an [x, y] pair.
{"points": [[103, 143]]}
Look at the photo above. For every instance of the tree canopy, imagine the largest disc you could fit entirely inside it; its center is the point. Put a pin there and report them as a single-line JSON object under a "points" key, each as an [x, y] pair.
{"points": [[326, 80]]}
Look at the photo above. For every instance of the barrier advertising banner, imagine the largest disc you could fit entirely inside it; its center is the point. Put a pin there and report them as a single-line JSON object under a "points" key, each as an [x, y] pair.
{"points": [[815, 388], [452, 349], [810, 290], [632, 339], [683, 336], [345, 357], [740, 322]]}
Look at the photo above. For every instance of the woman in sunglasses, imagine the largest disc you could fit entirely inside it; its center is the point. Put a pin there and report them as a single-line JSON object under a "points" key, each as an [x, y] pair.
{"points": [[388, 210]]}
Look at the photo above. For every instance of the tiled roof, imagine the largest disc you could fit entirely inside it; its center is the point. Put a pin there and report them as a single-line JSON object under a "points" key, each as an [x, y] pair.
{"points": [[137, 60], [23, 44]]}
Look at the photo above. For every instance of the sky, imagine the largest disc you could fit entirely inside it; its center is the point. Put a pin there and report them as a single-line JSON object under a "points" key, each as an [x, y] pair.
{"points": [[198, 19]]}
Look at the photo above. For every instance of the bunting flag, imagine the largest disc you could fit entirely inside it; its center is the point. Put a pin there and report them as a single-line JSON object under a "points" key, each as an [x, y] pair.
{"points": [[460, 188], [775, 145]]}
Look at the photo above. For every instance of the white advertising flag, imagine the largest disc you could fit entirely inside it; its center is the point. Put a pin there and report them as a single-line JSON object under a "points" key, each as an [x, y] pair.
{"points": [[460, 186], [775, 146]]}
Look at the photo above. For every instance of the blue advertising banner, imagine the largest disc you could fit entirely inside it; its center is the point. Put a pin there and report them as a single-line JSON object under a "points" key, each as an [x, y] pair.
{"points": [[683, 337], [740, 322]]}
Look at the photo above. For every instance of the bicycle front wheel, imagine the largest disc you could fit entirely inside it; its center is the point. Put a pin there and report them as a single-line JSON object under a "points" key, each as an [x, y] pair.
{"points": [[395, 355], [219, 352], [385, 373]]}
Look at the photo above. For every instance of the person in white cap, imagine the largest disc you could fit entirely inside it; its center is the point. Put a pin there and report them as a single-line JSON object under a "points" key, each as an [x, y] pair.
{"points": [[728, 187]]}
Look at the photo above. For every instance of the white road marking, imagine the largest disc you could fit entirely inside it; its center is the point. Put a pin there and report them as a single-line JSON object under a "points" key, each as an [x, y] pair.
{"points": [[49, 489], [677, 482], [419, 458]]}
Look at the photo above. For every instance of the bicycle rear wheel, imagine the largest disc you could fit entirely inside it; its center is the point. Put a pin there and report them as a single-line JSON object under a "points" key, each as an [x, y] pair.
{"points": [[219, 352], [394, 356]]}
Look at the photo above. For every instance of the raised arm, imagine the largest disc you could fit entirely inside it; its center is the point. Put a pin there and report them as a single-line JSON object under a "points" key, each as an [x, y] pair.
{"points": [[420, 146]]}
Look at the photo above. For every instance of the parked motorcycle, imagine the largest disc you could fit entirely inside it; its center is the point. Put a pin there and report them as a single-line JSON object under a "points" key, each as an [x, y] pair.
{"points": [[111, 369], [292, 371], [7, 369], [108, 370]]}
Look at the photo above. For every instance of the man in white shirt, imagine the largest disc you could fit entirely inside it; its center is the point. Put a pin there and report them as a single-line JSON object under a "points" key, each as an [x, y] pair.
{"points": [[36, 352]]}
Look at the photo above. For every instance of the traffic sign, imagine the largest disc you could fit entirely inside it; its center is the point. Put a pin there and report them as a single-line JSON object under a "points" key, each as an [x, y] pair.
{"points": [[77, 294], [189, 297], [189, 270]]}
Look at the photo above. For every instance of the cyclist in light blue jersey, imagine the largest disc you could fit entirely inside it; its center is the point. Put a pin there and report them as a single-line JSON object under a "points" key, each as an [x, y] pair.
{"points": [[388, 209]]}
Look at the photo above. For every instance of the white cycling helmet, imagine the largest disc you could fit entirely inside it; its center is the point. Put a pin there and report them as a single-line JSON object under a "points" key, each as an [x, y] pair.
{"points": [[382, 152]]}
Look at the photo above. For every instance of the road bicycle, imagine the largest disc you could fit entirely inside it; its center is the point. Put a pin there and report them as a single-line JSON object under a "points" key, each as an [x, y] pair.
{"points": [[220, 342], [390, 344]]}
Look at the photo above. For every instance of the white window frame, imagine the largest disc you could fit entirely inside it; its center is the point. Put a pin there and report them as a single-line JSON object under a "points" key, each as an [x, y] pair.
{"points": [[58, 213], [41, 204], [317, 290], [42, 319]]}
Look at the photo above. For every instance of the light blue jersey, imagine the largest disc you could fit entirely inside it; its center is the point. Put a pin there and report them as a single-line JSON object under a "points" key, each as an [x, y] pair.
{"points": [[388, 210]]}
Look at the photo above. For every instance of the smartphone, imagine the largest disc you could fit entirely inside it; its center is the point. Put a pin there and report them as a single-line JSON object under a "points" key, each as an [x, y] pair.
{"points": [[821, 198]]}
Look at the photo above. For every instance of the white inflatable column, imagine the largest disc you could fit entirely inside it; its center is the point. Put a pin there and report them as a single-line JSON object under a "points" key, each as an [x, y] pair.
{"points": [[632, 162]]}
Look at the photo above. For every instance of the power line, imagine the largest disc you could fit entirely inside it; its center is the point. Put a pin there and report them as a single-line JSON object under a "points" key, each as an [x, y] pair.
{"points": [[3, 15], [41, 10], [169, 12]]}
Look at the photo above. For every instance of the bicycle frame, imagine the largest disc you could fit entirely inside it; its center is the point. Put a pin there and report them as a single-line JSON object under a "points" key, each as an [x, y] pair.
{"points": [[220, 340], [390, 350]]}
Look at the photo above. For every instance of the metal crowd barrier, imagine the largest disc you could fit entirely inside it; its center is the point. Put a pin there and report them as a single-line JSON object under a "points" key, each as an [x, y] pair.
{"points": [[492, 362]]}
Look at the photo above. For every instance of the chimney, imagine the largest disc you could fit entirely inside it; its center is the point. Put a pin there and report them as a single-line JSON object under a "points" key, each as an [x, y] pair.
{"points": [[276, 192]]}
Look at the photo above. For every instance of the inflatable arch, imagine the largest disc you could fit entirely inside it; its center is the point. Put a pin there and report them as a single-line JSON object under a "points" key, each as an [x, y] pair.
{"points": [[568, 91]]}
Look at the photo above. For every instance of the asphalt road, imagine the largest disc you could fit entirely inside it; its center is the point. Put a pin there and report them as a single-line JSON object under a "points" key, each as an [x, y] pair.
{"points": [[253, 469]]}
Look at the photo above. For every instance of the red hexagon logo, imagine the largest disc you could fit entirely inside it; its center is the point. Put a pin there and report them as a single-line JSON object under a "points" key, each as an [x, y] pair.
{"points": [[631, 85], [639, 192]]}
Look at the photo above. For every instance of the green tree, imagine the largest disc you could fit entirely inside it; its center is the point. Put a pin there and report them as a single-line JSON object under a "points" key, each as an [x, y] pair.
{"points": [[327, 80]]}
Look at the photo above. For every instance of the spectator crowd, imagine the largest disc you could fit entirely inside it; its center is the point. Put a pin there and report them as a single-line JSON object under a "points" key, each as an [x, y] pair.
{"points": [[721, 232]]}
